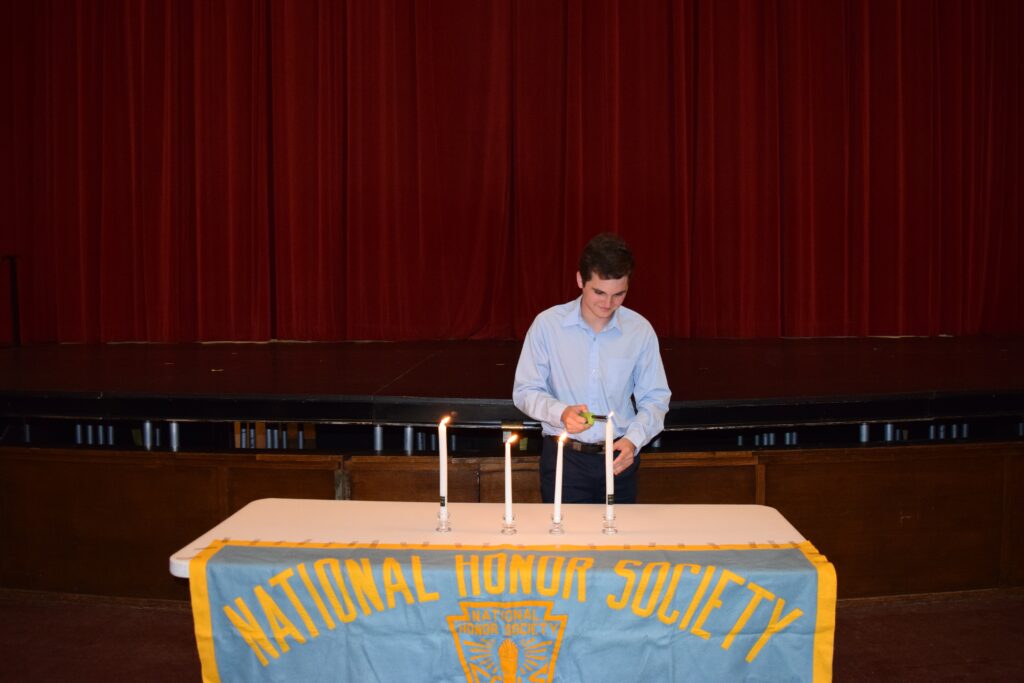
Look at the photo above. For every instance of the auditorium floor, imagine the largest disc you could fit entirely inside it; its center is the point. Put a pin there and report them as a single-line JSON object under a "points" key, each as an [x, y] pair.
{"points": [[954, 637]]}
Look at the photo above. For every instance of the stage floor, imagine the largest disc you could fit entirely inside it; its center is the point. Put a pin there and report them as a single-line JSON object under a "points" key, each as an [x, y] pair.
{"points": [[714, 382]]}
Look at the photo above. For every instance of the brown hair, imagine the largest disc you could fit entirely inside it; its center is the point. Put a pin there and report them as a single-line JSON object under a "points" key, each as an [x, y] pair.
{"points": [[608, 256]]}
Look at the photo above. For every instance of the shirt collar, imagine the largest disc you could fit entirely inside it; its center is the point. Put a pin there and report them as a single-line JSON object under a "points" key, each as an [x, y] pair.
{"points": [[573, 317]]}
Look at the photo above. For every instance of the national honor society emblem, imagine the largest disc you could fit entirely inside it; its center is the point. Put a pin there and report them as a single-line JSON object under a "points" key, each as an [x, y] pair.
{"points": [[508, 642]]}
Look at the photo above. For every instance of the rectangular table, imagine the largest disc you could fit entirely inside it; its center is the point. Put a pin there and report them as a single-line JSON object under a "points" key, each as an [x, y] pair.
{"points": [[364, 591]]}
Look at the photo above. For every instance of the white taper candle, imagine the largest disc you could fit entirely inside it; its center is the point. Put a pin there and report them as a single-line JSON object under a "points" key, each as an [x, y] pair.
{"points": [[558, 478], [508, 479], [442, 454], [609, 475]]}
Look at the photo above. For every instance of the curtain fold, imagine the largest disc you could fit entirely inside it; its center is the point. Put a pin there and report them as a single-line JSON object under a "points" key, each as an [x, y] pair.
{"points": [[232, 223], [427, 180], [737, 261], [308, 151], [395, 169]]}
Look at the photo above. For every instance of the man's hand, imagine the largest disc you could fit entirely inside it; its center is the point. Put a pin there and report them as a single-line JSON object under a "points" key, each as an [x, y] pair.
{"points": [[627, 451], [572, 418]]}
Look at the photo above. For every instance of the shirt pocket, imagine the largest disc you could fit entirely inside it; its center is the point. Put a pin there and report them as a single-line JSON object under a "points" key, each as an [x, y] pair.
{"points": [[619, 379]]}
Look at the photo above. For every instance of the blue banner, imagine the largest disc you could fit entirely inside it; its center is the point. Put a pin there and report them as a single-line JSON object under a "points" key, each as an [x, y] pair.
{"points": [[323, 612]]}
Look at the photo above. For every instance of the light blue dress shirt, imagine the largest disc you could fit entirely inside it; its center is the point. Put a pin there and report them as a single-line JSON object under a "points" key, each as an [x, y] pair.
{"points": [[564, 362]]}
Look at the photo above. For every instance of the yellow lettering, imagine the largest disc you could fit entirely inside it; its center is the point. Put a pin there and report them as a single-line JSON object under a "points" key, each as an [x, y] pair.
{"points": [[705, 581], [251, 631], [663, 614], [315, 594], [774, 626], [281, 580], [755, 600], [630, 576], [360, 575], [281, 625], [521, 572], [347, 613], [714, 602], [641, 589], [555, 575], [473, 565], [417, 578], [494, 577], [578, 567], [394, 582]]}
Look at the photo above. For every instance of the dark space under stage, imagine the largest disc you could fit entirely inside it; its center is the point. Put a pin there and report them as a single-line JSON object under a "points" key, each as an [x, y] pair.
{"points": [[727, 394]]}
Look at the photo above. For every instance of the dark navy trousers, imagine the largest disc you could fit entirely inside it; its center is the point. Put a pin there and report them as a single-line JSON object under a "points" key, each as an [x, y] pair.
{"points": [[582, 476]]}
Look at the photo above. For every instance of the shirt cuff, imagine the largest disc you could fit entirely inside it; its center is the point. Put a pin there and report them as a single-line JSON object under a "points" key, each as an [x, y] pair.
{"points": [[555, 417], [635, 433]]}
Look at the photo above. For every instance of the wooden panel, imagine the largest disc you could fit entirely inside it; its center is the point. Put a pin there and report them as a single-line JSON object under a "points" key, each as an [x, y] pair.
{"points": [[525, 479], [897, 520], [677, 478], [1013, 536], [106, 522], [410, 478], [687, 478], [893, 520], [99, 525], [281, 476]]}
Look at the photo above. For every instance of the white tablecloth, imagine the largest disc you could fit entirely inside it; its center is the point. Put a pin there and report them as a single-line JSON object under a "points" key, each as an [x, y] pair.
{"points": [[347, 521]]}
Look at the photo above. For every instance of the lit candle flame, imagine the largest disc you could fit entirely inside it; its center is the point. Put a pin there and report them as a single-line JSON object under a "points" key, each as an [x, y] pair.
{"points": [[564, 437], [511, 438], [446, 419]]}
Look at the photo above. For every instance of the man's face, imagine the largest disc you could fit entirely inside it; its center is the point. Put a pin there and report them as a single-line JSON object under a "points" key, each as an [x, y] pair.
{"points": [[601, 298]]}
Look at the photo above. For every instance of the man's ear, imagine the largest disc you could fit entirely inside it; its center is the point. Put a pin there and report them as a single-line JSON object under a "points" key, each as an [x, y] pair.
{"points": [[579, 280]]}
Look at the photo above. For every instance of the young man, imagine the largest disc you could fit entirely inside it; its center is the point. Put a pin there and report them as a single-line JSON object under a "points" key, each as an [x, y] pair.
{"points": [[593, 355]]}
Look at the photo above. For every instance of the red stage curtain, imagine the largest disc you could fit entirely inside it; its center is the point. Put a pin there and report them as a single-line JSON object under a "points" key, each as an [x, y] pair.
{"points": [[182, 170]]}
